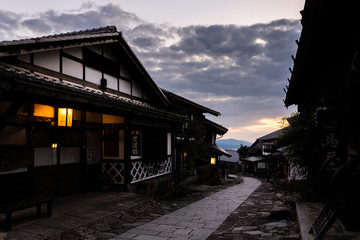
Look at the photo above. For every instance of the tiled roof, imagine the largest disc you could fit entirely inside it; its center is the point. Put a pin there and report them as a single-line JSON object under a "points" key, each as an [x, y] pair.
{"points": [[270, 137], [190, 103], [93, 36], [84, 34], [42, 80]]}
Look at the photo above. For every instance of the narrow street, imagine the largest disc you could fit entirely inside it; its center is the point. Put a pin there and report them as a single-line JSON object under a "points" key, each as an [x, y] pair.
{"points": [[131, 216], [261, 216]]}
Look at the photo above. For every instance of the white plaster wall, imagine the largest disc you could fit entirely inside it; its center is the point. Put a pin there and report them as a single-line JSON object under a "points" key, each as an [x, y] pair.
{"points": [[49, 60], [125, 86], [72, 68], [112, 82], [45, 156], [69, 155], [92, 75]]}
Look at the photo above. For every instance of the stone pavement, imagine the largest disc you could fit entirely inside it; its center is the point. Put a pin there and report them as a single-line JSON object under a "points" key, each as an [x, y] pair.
{"points": [[108, 215], [268, 214], [101, 215], [197, 220]]}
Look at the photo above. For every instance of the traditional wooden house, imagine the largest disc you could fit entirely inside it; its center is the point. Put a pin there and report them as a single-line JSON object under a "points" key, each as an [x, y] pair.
{"points": [[197, 131], [325, 85], [213, 131], [230, 164], [75, 107], [265, 158]]}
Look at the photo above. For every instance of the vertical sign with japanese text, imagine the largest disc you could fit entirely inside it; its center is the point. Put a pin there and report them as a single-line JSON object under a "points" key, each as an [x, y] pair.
{"points": [[135, 143]]}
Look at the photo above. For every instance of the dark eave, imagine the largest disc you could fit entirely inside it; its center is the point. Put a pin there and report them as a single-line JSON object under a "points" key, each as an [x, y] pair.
{"points": [[174, 98], [16, 85], [325, 49], [220, 129]]}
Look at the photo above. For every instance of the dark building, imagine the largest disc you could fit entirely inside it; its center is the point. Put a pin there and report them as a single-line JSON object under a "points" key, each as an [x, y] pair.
{"points": [[196, 140], [325, 85], [77, 108], [265, 158]]}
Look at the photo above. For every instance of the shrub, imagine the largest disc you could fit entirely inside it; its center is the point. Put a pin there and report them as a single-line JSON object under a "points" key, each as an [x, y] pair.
{"points": [[164, 189]]}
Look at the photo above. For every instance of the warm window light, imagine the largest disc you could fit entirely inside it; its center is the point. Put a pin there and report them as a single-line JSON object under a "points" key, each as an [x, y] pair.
{"points": [[54, 145], [212, 161], [43, 111], [65, 116]]}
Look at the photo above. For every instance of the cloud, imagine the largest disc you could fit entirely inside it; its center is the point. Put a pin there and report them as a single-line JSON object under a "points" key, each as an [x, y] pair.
{"points": [[237, 70], [8, 21], [225, 58], [36, 25], [89, 15]]}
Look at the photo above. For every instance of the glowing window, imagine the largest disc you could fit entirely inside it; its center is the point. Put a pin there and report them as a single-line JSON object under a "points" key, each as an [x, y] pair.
{"points": [[65, 116], [110, 119], [43, 111]]}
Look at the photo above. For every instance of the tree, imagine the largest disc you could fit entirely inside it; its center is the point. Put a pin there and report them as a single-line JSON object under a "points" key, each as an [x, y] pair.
{"points": [[243, 151], [298, 143]]}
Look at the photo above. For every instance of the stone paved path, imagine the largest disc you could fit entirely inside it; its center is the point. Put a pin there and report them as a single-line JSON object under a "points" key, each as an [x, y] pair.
{"points": [[268, 214], [197, 220]]}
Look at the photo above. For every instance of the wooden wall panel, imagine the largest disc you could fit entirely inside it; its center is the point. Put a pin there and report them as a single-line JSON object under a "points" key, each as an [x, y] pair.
{"points": [[45, 181], [70, 179], [15, 186], [14, 157]]}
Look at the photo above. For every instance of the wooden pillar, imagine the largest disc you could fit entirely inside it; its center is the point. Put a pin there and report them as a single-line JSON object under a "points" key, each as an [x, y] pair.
{"points": [[127, 151]]}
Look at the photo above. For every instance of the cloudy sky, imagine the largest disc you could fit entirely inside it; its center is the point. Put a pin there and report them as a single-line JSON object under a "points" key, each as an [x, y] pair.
{"points": [[230, 55]]}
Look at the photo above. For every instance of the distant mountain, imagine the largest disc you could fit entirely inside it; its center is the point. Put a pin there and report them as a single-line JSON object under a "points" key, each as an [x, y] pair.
{"points": [[231, 143]]}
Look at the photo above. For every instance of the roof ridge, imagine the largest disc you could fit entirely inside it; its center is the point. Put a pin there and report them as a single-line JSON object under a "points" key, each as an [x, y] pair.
{"points": [[99, 30], [93, 31]]}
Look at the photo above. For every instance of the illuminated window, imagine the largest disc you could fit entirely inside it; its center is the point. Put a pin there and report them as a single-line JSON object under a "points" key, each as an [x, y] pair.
{"points": [[110, 119], [43, 111], [65, 116]]}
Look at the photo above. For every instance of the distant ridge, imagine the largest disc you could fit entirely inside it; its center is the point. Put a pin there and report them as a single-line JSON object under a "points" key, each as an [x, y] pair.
{"points": [[231, 143]]}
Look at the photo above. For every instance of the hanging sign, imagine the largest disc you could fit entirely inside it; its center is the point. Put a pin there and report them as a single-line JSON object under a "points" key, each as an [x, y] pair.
{"points": [[135, 143]]}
